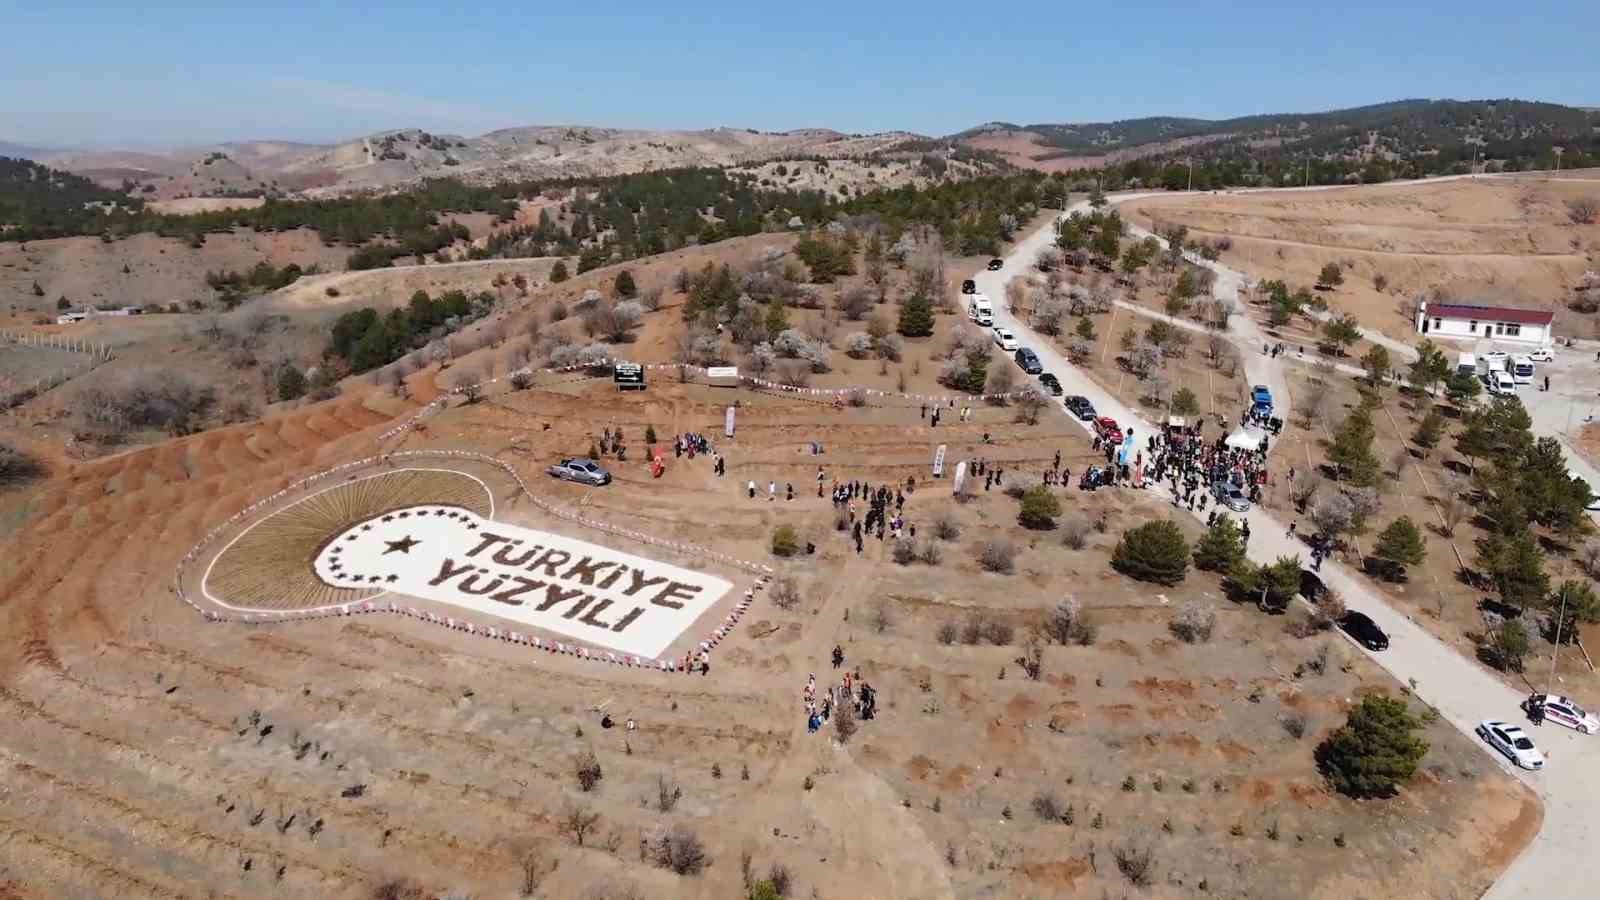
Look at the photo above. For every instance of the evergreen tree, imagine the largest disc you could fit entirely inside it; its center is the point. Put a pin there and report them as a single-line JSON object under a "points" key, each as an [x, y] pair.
{"points": [[1155, 551], [916, 315], [1401, 543], [624, 286], [1375, 750], [1107, 244], [1430, 367], [1184, 402], [1376, 364], [777, 319], [1039, 508], [1085, 328], [1461, 388], [558, 272], [1429, 431], [1351, 452], [1271, 585], [291, 383], [1516, 566], [1221, 549], [1339, 332], [1331, 276]]}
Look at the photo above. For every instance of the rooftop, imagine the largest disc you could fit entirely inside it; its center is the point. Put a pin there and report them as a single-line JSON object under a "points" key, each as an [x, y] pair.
{"points": [[1490, 313]]}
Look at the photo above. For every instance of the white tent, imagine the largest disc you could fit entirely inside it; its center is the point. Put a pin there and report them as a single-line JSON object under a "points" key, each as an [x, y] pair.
{"points": [[1245, 439]]}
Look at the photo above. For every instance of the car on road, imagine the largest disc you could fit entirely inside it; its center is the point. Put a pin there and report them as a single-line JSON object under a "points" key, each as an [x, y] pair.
{"points": [[1513, 742], [1029, 361], [1365, 631], [1005, 339], [1563, 711], [1311, 586], [996, 265], [969, 286], [1543, 354], [1109, 430], [583, 471], [1050, 383], [1080, 407], [1232, 496]]}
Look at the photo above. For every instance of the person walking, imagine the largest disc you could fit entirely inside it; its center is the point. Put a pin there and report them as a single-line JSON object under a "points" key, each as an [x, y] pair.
{"points": [[772, 491], [751, 487]]}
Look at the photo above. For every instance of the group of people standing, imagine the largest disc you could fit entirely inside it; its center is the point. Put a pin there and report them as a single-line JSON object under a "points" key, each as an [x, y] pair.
{"points": [[851, 689]]}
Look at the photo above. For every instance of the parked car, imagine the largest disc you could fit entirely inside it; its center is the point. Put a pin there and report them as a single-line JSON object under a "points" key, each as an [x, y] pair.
{"points": [[1543, 354], [1497, 359], [1051, 384], [1080, 407], [1109, 430], [1563, 711], [583, 471], [996, 265], [1005, 339], [969, 286], [1232, 496], [1365, 631], [1029, 361], [1513, 742]]}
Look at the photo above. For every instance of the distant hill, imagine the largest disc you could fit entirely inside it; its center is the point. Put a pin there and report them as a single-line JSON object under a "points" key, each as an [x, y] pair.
{"points": [[21, 151], [407, 156], [1421, 136]]}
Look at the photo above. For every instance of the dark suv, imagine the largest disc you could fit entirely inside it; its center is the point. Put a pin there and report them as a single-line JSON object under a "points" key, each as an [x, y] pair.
{"points": [[996, 265], [969, 286], [1364, 630], [1029, 361]]}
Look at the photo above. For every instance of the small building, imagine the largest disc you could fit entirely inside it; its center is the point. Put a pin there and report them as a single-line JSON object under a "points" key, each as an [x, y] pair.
{"points": [[1496, 323]]}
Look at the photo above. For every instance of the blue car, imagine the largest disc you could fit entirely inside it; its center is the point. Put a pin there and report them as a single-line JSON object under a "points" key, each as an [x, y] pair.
{"points": [[1261, 400]]}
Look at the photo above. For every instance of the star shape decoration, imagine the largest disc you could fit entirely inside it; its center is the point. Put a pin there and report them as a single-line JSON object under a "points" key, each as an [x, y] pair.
{"points": [[388, 518], [403, 545]]}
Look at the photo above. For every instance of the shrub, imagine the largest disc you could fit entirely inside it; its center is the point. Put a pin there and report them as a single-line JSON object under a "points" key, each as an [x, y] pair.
{"points": [[1137, 864], [946, 528], [785, 541], [1193, 622], [587, 769], [998, 555], [679, 849], [929, 553], [18, 467], [1294, 725], [947, 633], [1154, 551], [785, 593], [292, 383], [1047, 807], [1063, 620], [1374, 751], [1075, 532], [169, 399], [1039, 509], [521, 381]]}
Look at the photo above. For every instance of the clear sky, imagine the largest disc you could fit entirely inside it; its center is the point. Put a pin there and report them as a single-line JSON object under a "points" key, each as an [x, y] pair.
{"points": [[153, 74]]}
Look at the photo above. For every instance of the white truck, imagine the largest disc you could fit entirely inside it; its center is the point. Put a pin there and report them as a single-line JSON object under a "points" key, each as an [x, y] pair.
{"points": [[980, 310], [1467, 364]]}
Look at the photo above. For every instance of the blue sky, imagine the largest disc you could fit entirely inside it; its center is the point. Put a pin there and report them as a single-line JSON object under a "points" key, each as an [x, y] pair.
{"points": [[126, 74]]}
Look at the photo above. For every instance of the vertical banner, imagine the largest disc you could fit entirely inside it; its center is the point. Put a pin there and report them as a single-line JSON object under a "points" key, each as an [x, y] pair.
{"points": [[961, 478], [938, 462], [727, 423]]}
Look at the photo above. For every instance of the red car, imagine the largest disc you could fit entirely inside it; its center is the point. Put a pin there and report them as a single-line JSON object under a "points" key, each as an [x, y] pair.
{"points": [[1109, 430]]}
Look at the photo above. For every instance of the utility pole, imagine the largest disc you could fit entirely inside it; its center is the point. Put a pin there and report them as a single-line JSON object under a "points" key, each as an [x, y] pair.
{"points": [[1191, 173], [1558, 151], [1307, 182], [1561, 619]]}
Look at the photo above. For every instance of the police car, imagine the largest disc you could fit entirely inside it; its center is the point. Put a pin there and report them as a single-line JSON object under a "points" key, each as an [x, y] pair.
{"points": [[1563, 711]]}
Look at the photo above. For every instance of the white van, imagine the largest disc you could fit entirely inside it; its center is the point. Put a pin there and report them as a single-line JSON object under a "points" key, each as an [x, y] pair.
{"points": [[1500, 382], [1467, 364], [980, 310], [1522, 370]]}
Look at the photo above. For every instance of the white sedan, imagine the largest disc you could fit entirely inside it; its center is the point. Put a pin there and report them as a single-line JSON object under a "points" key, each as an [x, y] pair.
{"points": [[1564, 711], [1513, 742], [1006, 340]]}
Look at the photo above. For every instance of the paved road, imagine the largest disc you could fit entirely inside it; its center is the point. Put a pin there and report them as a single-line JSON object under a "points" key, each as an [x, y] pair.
{"points": [[1552, 868]]}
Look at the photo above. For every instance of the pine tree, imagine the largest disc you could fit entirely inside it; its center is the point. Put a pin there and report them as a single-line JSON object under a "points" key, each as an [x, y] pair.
{"points": [[624, 286], [1039, 508], [777, 319], [916, 316], [1516, 566], [1154, 551], [558, 272], [1401, 543], [1429, 431], [1351, 452], [1221, 549], [1375, 750]]}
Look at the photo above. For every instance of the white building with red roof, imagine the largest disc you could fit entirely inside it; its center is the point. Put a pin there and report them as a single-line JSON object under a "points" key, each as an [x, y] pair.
{"points": [[1461, 321]]}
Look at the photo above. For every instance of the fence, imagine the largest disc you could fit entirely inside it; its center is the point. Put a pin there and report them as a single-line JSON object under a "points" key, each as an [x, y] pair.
{"points": [[97, 354]]}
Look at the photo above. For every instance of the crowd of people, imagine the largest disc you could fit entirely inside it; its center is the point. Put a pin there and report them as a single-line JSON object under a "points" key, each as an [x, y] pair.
{"points": [[850, 689]]}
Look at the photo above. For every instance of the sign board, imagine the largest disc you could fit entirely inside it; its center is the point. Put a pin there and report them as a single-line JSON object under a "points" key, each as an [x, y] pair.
{"points": [[628, 376], [723, 376], [584, 591], [961, 478], [727, 423], [938, 462]]}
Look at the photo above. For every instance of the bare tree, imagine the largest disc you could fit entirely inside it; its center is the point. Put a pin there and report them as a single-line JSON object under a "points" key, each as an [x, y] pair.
{"points": [[577, 821], [1453, 508], [1583, 210]]}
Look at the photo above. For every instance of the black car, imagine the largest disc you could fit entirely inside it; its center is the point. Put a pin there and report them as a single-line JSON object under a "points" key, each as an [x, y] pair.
{"points": [[996, 265], [1311, 587], [969, 286], [1029, 361], [1364, 630], [1080, 407], [1051, 384]]}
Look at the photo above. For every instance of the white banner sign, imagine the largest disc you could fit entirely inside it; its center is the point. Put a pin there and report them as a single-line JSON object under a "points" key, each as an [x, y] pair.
{"points": [[573, 588], [961, 477], [938, 462], [727, 423]]}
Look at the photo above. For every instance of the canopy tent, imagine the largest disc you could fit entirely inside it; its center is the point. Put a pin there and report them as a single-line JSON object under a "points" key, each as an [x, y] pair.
{"points": [[1245, 439]]}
